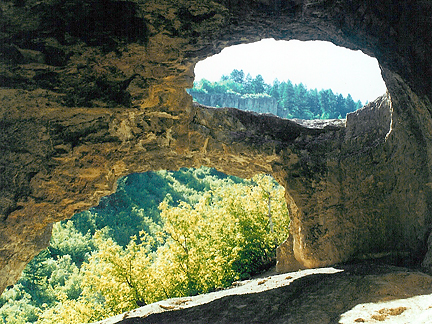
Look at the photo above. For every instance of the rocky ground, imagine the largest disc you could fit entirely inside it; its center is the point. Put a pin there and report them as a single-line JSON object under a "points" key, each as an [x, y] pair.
{"points": [[363, 292]]}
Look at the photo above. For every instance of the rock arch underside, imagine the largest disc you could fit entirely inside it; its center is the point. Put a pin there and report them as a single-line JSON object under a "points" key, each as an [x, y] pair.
{"points": [[94, 90]]}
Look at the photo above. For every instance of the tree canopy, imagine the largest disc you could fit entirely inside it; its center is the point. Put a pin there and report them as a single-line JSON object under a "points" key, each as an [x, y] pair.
{"points": [[191, 231], [293, 100]]}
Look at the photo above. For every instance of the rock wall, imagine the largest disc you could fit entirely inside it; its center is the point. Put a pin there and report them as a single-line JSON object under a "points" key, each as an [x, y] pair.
{"points": [[262, 105], [94, 90]]}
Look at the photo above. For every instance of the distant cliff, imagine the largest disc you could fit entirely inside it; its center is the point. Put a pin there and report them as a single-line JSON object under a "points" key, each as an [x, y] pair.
{"points": [[256, 103]]}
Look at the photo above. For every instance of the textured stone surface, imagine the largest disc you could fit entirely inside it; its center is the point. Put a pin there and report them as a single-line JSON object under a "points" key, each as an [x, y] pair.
{"points": [[93, 90], [233, 100], [349, 294]]}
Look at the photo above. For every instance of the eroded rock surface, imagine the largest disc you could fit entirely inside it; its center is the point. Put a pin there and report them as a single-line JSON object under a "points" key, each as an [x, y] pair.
{"points": [[348, 294], [94, 90], [234, 100]]}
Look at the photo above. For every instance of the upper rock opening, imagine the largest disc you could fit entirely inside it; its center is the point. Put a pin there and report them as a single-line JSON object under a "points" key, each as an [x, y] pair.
{"points": [[290, 79]]}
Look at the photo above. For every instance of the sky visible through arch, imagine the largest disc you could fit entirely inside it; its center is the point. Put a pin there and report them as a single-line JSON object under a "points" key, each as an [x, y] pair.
{"points": [[316, 64]]}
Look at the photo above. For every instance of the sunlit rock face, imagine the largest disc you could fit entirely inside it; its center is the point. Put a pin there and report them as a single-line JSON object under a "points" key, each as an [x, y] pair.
{"points": [[234, 100], [357, 293], [94, 90]]}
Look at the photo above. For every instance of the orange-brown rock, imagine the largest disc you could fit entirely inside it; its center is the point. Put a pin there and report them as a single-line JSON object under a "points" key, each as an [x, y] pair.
{"points": [[94, 90]]}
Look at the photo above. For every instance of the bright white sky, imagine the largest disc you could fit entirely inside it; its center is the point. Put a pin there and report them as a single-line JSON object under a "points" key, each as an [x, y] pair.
{"points": [[316, 64]]}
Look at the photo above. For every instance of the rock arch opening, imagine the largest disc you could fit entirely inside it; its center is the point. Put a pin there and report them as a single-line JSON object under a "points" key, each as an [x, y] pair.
{"points": [[289, 79]]}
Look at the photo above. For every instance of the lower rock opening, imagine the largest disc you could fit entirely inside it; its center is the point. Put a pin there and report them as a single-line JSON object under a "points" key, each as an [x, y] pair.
{"points": [[162, 234]]}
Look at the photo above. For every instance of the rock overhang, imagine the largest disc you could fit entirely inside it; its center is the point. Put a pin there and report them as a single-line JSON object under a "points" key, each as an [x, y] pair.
{"points": [[83, 104]]}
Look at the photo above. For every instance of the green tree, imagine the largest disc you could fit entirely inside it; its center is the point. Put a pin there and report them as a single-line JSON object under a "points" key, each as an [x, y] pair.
{"points": [[248, 86], [258, 84], [51, 276], [341, 107], [294, 101], [313, 104], [287, 99], [274, 90], [299, 109], [113, 281], [231, 225], [17, 307], [237, 76], [350, 104], [35, 278], [230, 233], [66, 240], [325, 101]]}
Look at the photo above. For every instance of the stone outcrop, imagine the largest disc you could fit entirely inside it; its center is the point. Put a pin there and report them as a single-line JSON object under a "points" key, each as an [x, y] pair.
{"points": [[355, 293], [258, 104], [94, 90]]}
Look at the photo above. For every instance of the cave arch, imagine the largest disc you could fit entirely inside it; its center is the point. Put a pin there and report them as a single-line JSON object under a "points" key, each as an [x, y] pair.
{"points": [[79, 112]]}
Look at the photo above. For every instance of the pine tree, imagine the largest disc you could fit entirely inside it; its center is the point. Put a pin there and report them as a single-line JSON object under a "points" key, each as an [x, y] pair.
{"points": [[294, 101], [274, 90], [248, 86], [258, 84], [237, 76], [313, 104]]}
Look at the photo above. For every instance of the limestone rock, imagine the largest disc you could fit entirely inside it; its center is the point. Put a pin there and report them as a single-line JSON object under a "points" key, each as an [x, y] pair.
{"points": [[94, 90], [257, 104], [348, 294], [285, 260]]}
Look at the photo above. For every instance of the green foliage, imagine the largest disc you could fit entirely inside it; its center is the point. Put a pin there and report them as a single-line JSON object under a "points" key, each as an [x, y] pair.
{"points": [[52, 275], [294, 101], [134, 206], [231, 233], [66, 240], [205, 230], [237, 76], [224, 237], [17, 306]]}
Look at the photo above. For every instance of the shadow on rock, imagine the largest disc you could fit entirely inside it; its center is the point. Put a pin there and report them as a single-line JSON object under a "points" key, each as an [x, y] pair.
{"points": [[316, 298]]}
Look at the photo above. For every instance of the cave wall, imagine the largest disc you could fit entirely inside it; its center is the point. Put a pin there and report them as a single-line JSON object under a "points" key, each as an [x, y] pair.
{"points": [[94, 90]]}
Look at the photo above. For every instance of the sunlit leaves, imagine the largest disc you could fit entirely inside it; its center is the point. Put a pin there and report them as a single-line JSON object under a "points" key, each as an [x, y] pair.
{"points": [[16, 306], [118, 274], [224, 237], [227, 235], [66, 240], [214, 231]]}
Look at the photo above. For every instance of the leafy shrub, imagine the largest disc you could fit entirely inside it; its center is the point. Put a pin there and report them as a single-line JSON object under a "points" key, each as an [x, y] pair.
{"points": [[212, 229]]}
